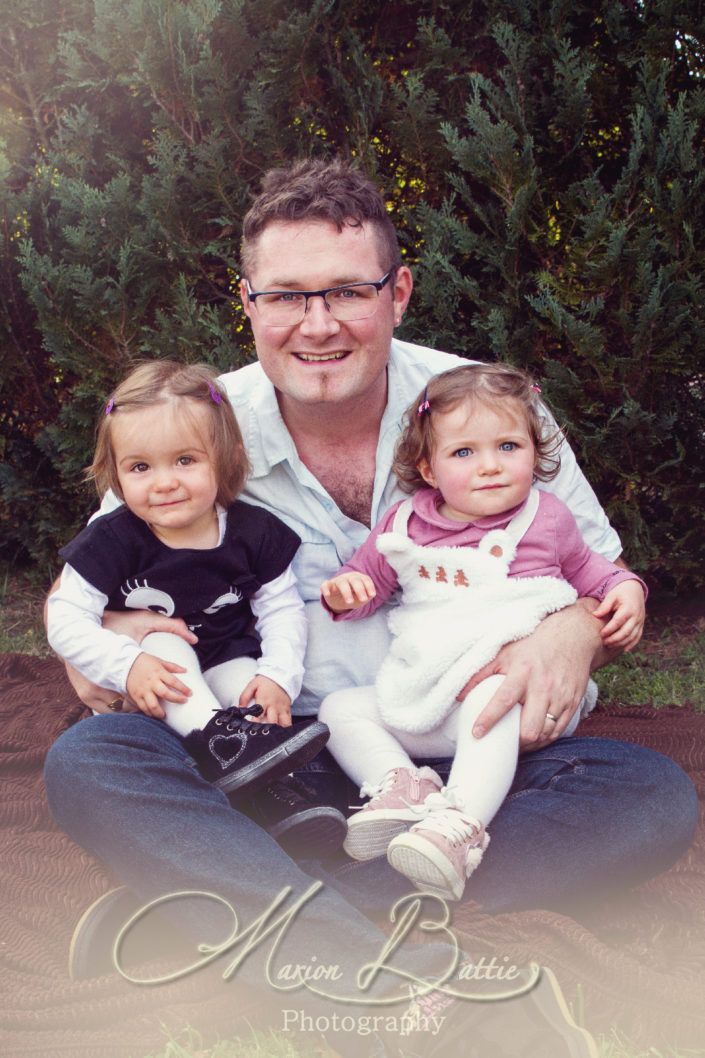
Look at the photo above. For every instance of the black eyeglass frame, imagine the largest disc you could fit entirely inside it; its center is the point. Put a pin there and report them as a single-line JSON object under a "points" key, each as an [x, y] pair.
{"points": [[252, 295]]}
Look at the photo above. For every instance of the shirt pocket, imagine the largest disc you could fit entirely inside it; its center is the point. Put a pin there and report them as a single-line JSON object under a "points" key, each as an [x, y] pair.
{"points": [[316, 560]]}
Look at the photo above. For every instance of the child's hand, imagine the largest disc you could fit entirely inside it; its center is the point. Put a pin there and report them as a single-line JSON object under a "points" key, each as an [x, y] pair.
{"points": [[348, 591], [275, 702], [150, 679], [627, 605]]}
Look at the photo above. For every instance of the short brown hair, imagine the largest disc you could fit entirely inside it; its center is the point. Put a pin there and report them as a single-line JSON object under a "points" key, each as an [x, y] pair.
{"points": [[491, 384], [156, 382], [319, 190]]}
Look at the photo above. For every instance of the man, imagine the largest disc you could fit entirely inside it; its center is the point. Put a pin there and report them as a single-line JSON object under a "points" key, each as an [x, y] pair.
{"points": [[320, 413]]}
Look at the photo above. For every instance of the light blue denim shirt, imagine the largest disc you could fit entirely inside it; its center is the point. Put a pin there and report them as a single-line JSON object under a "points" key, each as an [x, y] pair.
{"points": [[344, 654]]}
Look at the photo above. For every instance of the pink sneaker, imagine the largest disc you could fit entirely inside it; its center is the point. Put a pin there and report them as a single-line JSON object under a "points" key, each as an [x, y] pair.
{"points": [[441, 851], [396, 802]]}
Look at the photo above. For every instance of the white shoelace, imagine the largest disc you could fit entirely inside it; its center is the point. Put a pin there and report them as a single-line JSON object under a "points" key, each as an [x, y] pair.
{"points": [[371, 790], [448, 821]]}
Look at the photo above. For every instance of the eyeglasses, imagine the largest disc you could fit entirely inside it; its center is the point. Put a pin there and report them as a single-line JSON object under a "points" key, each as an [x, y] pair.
{"points": [[287, 308]]}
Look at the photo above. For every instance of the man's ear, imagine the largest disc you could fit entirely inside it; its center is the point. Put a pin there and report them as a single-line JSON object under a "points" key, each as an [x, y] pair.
{"points": [[401, 292], [244, 298], [424, 468]]}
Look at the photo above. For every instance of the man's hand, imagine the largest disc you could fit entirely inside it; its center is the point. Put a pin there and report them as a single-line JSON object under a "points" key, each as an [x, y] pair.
{"points": [[348, 591], [97, 698], [140, 623], [150, 679], [275, 702], [547, 672], [626, 604]]}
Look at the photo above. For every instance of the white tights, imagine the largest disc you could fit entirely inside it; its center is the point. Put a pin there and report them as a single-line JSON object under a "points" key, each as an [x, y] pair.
{"points": [[482, 769], [217, 688]]}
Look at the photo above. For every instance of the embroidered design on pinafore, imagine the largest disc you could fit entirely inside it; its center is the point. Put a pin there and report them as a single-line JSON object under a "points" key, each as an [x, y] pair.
{"points": [[458, 608]]}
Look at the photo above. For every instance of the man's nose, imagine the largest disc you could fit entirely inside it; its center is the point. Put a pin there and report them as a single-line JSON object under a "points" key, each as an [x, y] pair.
{"points": [[319, 320]]}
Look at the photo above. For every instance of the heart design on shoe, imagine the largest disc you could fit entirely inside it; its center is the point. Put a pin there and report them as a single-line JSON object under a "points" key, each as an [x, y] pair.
{"points": [[228, 743]]}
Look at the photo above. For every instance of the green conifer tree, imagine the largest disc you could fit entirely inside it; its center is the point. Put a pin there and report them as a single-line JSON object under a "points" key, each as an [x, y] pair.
{"points": [[542, 162]]}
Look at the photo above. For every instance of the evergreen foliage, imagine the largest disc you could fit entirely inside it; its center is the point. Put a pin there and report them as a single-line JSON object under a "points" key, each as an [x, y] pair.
{"points": [[544, 164]]}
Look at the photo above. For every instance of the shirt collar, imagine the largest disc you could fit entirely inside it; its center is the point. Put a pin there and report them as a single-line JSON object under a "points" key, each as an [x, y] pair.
{"points": [[270, 441], [425, 503]]}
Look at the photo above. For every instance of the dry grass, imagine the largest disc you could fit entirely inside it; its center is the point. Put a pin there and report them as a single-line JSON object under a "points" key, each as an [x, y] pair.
{"points": [[668, 666], [21, 603]]}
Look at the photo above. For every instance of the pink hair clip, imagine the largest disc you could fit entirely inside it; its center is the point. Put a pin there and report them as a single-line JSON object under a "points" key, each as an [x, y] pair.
{"points": [[425, 405], [110, 406], [214, 393], [536, 389]]}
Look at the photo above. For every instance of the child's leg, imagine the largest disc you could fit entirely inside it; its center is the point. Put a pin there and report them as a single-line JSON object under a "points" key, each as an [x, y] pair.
{"points": [[231, 752], [196, 711], [442, 850], [229, 679], [374, 757], [483, 768], [359, 741]]}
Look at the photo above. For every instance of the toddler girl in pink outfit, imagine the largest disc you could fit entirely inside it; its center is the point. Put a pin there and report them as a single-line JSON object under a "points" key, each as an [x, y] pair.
{"points": [[480, 556]]}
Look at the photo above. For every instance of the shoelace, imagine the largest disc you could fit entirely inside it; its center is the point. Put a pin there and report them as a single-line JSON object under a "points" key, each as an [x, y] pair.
{"points": [[450, 822], [234, 719], [371, 790]]}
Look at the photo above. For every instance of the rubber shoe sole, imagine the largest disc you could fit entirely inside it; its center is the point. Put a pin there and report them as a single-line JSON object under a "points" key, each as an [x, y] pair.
{"points": [[311, 834], [424, 865], [367, 839], [93, 940], [289, 756]]}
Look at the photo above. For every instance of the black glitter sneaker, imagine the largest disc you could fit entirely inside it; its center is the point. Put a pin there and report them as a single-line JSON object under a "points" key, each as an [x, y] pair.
{"points": [[238, 754], [289, 811]]}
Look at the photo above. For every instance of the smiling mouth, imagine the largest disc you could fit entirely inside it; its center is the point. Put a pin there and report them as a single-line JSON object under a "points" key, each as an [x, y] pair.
{"points": [[320, 358]]}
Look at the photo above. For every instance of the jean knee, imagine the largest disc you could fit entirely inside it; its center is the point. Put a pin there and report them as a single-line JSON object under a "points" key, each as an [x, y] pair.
{"points": [[678, 805], [65, 769], [80, 765]]}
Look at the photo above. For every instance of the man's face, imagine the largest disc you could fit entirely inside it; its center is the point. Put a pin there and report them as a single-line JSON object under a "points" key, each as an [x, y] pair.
{"points": [[322, 360]]}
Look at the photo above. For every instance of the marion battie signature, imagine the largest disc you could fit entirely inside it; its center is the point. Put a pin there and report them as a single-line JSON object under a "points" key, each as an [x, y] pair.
{"points": [[268, 930]]}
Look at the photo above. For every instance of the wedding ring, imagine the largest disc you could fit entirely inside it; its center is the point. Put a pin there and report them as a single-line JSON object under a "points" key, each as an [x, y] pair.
{"points": [[550, 716], [116, 705]]}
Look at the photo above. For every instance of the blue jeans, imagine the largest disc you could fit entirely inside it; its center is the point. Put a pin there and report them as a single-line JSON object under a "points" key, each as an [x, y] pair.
{"points": [[583, 815], [125, 789]]}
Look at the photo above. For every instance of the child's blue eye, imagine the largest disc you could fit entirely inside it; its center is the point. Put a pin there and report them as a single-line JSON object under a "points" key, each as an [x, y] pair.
{"points": [[508, 446], [462, 453]]}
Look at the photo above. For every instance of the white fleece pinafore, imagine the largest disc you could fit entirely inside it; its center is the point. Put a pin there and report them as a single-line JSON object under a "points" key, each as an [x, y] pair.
{"points": [[458, 608]]}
